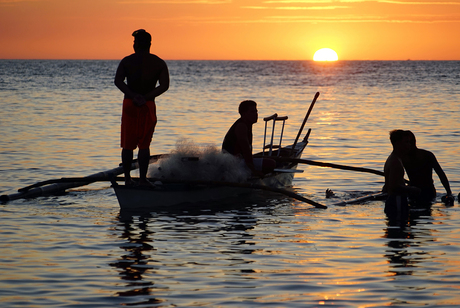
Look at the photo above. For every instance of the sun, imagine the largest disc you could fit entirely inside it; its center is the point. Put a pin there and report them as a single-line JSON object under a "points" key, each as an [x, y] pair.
{"points": [[325, 54]]}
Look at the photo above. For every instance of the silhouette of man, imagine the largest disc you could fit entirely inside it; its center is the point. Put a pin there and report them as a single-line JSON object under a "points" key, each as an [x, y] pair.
{"points": [[419, 165], [238, 140], [396, 205], [147, 77]]}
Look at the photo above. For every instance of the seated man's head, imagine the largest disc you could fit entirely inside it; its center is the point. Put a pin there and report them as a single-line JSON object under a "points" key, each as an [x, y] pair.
{"points": [[248, 111]]}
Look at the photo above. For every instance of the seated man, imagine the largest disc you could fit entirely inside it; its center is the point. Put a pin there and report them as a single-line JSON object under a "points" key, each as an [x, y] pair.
{"points": [[419, 165], [238, 140]]}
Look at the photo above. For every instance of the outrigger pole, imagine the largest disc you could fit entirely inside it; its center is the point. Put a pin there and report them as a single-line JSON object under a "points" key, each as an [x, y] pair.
{"points": [[56, 186], [304, 121], [59, 185]]}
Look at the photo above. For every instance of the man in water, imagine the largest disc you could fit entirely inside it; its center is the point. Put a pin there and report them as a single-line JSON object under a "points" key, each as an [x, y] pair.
{"points": [[142, 71], [419, 165], [396, 205], [238, 140]]}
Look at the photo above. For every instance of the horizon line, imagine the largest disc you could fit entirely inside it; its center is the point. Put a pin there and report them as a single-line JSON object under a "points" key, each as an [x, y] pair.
{"points": [[165, 59]]}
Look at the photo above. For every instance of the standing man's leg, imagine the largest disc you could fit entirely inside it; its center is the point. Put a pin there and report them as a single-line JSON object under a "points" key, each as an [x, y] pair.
{"points": [[144, 159], [127, 160]]}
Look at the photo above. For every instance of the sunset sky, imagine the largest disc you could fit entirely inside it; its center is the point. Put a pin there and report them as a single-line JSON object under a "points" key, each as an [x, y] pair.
{"points": [[231, 29]]}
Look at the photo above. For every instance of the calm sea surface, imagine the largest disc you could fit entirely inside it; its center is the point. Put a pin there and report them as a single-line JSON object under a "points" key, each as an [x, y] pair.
{"points": [[62, 119]]}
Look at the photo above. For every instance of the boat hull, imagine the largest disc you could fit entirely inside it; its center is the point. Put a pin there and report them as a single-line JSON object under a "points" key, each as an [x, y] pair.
{"points": [[166, 195]]}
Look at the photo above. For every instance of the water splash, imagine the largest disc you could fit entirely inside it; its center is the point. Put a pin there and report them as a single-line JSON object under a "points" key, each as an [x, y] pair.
{"points": [[190, 161]]}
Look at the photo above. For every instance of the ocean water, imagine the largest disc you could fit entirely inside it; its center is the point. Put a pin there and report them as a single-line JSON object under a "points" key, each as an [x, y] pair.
{"points": [[62, 119]]}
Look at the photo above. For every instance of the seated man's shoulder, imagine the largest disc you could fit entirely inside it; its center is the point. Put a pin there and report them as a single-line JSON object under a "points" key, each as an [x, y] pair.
{"points": [[241, 126]]}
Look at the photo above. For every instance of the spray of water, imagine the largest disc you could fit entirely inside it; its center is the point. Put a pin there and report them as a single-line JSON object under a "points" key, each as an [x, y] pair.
{"points": [[190, 161]]}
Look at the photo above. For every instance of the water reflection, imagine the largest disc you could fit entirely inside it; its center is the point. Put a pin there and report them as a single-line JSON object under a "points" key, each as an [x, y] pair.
{"points": [[408, 240], [134, 264], [160, 250]]}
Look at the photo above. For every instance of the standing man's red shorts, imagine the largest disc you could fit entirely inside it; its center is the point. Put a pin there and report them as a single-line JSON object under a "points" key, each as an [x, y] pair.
{"points": [[137, 124]]}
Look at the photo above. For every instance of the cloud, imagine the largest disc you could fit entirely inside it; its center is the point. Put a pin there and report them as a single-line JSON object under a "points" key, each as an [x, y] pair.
{"points": [[366, 19], [175, 1], [10, 2], [358, 1], [295, 7], [416, 2]]}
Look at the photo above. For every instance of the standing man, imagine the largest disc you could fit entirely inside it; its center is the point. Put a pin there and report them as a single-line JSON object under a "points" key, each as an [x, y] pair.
{"points": [[238, 140], [419, 165], [147, 77], [396, 205]]}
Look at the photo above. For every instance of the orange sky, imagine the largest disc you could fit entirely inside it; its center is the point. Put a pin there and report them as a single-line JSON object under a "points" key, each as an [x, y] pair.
{"points": [[231, 29]]}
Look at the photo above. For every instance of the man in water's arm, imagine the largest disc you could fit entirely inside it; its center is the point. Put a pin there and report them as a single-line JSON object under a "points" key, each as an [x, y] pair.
{"points": [[442, 175], [419, 165]]}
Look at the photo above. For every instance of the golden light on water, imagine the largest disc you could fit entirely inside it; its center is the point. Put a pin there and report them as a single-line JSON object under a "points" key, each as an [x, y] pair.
{"points": [[325, 54]]}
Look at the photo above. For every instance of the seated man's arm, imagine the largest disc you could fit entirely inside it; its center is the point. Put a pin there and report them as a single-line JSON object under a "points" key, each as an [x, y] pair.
{"points": [[244, 144]]}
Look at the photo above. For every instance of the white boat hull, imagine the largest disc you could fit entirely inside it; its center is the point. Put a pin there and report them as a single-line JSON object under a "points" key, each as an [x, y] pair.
{"points": [[192, 192], [173, 194]]}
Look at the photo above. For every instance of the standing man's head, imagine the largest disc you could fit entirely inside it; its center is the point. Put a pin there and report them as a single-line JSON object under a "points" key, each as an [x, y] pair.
{"points": [[400, 140], [248, 111], [142, 40]]}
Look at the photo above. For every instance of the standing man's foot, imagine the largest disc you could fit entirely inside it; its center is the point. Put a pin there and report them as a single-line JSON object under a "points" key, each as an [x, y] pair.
{"points": [[130, 183], [146, 183]]}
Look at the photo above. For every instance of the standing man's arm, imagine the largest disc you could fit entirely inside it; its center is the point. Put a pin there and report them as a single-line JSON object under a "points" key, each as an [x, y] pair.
{"points": [[163, 85], [120, 80]]}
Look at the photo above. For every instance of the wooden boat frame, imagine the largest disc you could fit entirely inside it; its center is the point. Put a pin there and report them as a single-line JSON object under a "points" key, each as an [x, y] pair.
{"points": [[171, 193]]}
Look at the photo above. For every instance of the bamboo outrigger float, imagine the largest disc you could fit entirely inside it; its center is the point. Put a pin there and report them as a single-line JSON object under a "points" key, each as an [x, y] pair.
{"points": [[59, 186]]}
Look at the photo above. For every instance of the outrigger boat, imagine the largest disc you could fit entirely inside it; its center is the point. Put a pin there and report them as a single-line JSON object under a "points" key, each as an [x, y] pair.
{"points": [[170, 192], [167, 193]]}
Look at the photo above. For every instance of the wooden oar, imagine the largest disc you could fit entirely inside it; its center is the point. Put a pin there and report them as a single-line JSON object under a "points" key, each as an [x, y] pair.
{"points": [[329, 165], [304, 121], [322, 164]]}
